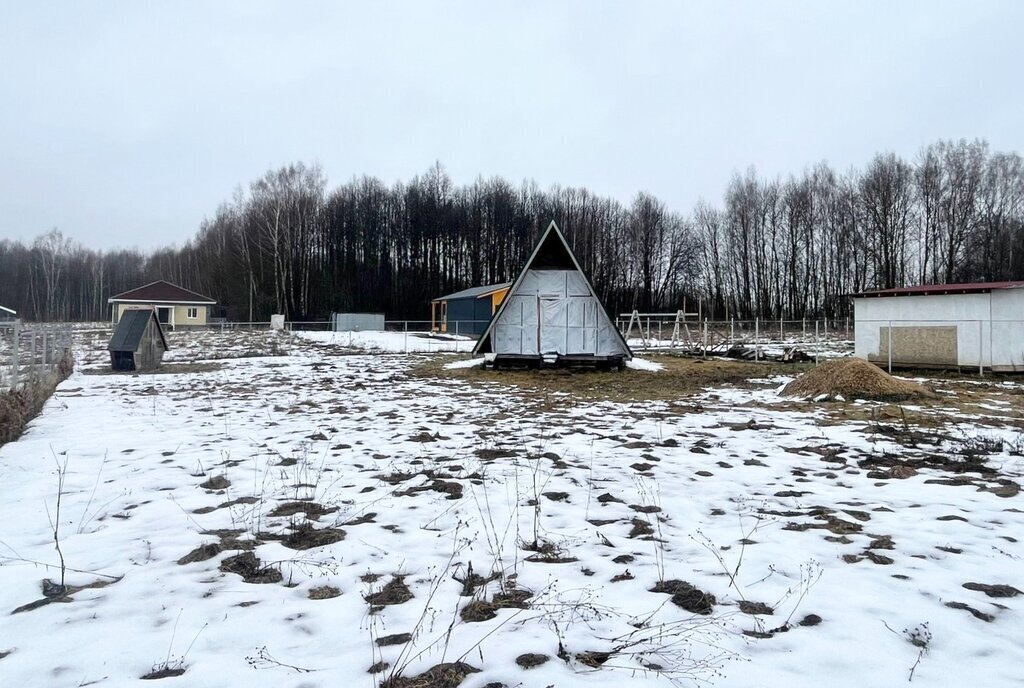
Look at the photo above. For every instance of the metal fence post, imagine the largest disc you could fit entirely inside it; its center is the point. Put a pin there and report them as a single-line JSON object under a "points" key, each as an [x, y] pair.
{"points": [[405, 342], [817, 345], [890, 347], [16, 354], [757, 339], [981, 359], [705, 337], [782, 337]]}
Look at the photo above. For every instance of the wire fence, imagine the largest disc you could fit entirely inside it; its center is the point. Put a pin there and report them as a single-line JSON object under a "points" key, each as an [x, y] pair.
{"points": [[754, 339], [31, 351]]}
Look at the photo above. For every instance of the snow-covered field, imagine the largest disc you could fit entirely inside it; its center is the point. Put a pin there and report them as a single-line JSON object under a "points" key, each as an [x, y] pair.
{"points": [[230, 516]]}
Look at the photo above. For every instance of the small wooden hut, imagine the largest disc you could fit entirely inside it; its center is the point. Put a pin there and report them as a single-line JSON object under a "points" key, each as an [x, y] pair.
{"points": [[467, 311], [138, 342]]}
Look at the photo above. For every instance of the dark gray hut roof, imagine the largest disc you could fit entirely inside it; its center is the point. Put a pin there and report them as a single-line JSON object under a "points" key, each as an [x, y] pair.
{"points": [[474, 292], [131, 328]]}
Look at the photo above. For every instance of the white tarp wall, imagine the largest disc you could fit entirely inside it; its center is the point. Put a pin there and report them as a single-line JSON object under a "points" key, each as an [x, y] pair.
{"points": [[553, 311], [989, 327]]}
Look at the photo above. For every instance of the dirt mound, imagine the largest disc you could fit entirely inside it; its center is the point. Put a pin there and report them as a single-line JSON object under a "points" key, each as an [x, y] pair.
{"points": [[853, 378]]}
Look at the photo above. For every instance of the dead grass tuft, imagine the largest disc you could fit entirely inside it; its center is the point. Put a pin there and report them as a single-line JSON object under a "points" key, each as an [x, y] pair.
{"points": [[306, 536], [394, 592], [310, 509], [248, 566], [446, 675], [323, 592]]}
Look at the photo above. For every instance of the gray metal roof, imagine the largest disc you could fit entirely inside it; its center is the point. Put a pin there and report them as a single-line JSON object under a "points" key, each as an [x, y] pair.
{"points": [[475, 292], [131, 328]]}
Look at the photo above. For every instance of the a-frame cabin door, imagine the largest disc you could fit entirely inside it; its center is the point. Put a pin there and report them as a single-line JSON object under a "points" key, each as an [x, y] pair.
{"points": [[568, 325]]}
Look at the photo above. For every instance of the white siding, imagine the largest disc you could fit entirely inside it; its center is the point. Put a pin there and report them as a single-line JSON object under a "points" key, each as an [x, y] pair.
{"points": [[990, 327]]}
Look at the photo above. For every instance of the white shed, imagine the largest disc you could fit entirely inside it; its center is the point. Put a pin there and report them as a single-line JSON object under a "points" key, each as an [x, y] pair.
{"points": [[978, 326]]}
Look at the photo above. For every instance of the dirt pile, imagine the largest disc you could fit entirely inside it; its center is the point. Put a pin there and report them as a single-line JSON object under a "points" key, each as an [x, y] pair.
{"points": [[853, 378]]}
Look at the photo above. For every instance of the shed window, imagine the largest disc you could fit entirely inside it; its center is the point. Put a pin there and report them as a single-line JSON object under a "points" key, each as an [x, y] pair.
{"points": [[192, 313]]}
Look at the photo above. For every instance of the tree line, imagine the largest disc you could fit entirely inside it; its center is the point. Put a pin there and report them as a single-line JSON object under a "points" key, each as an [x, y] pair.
{"points": [[772, 247]]}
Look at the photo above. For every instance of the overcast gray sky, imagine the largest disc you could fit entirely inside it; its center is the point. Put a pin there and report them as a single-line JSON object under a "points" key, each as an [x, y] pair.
{"points": [[125, 123]]}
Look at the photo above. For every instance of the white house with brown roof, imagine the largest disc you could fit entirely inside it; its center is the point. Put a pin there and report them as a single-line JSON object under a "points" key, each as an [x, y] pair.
{"points": [[977, 326], [175, 306]]}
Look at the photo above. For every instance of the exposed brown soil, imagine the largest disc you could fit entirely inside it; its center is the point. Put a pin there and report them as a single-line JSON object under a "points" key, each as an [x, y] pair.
{"points": [[54, 592], [680, 377], [530, 660], [854, 378], [164, 369], [394, 639], [689, 597], [201, 553], [993, 590], [217, 482]]}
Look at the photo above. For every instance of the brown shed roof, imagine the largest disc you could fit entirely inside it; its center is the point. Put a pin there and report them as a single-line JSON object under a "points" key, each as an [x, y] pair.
{"points": [[161, 292], [921, 290]]}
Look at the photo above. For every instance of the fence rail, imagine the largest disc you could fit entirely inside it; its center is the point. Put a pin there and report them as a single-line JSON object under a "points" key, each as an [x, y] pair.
{"points": [[30, 351], [757, 338]]}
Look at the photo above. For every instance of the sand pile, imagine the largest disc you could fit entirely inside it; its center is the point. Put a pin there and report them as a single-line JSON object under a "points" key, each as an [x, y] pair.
{"points": [[853, 378]]}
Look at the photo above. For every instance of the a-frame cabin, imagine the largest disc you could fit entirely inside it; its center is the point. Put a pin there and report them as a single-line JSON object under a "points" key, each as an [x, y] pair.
{"points": [[552, 316]]}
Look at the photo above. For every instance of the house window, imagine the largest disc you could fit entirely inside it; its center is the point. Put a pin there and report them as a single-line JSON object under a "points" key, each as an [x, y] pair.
{"points": [[192, 313]]}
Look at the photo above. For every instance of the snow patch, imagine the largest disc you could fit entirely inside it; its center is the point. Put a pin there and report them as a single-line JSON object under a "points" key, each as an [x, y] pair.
{"points": [[468, 363], [643, 364]]}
